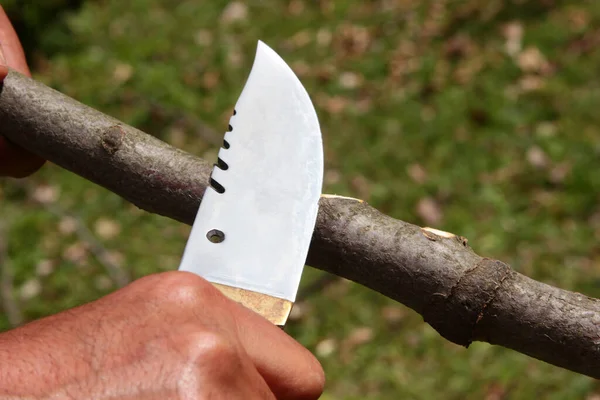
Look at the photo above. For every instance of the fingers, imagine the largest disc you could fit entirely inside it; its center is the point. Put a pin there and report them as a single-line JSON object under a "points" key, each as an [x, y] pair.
{"points": [[10, 46], [14, 161], [289, 369], [3, 67], [207, 320], [224, 371], [245, 384], [17, 162]]}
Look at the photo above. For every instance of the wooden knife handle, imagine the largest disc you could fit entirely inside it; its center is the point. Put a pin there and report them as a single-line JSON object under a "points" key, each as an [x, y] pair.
{"points": [[272, 308]]}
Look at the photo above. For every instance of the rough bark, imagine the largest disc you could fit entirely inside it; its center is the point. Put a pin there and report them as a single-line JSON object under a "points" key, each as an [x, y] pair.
{"points": [[464, 296]]}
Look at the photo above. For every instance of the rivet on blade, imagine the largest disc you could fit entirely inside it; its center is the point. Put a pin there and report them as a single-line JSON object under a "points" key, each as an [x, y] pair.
{"points": [[215, 236]]}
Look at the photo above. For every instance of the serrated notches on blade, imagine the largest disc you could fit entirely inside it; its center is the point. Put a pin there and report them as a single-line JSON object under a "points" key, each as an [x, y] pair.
{"points": [[222, 165]]}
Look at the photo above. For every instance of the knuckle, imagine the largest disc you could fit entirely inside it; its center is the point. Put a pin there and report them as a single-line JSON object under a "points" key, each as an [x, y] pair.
{"points": [[207, 361], [176, 289], [209, 346], [213, 355]]}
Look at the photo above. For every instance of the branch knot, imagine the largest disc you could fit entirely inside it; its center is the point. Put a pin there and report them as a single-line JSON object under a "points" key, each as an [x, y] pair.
{"points": [[112, 138], [455, 311]]}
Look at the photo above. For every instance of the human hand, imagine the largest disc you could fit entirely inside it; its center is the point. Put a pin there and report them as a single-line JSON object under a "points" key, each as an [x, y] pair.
{"points": [[165, 336], [14, 161]]}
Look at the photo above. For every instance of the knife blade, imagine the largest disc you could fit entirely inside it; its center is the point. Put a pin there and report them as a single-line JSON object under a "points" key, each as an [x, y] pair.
{"points": [[253, 228]]}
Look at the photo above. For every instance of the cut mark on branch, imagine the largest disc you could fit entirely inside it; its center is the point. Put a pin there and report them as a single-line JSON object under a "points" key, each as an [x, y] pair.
{"points": [[335, 196], [434, 234]]}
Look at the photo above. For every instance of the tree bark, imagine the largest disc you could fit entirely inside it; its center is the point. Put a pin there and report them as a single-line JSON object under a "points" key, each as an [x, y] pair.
{"points": [[464, 296]]}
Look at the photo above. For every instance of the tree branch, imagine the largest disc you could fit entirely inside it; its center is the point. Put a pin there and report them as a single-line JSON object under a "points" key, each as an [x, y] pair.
{"points": [[464, 296]]}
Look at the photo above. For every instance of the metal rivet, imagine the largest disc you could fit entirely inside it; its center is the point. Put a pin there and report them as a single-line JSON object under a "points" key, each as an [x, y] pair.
{"points": [[215, 236]]}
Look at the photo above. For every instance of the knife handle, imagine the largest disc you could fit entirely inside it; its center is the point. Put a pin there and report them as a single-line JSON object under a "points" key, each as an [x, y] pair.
{"points": [[274, 309]]}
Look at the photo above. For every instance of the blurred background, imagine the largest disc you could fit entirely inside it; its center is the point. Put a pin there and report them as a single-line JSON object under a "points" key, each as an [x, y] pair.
{"points": [[478, 117]]}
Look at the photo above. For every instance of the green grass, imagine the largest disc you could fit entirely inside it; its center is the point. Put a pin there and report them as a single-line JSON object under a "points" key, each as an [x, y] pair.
{"points": [[425, 114]]}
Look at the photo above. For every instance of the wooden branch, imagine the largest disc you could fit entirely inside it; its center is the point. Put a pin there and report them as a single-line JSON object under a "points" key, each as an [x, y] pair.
{"points": [[465, 297]]}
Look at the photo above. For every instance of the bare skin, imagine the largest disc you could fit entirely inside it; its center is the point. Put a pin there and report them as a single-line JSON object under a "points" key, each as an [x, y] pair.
{"points": [[169, 336], [14, 161], [165, 336]]}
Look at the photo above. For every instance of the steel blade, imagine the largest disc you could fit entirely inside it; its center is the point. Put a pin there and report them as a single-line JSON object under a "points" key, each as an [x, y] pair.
{"points": [[256, 233]]}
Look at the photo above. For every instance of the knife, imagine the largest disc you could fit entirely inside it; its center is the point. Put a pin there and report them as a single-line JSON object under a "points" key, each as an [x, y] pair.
{"points": [[254, 225]]}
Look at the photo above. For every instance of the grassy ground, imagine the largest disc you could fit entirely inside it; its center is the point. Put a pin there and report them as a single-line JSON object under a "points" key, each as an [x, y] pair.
{"points": [[478, 117]]}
